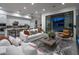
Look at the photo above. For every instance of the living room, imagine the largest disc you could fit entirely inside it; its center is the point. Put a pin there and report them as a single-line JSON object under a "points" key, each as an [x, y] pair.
{"points": [[38, 28]]}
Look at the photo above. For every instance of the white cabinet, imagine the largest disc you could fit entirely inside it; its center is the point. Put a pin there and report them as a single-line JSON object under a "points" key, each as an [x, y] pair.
{"points": [[3, 18]]}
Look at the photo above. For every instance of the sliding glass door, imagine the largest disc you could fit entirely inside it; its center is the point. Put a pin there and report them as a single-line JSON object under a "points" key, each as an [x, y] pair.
{"points": [[58, 22]]}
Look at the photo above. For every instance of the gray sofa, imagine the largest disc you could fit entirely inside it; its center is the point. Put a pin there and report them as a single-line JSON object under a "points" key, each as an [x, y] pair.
{"points": [[29, 38]]}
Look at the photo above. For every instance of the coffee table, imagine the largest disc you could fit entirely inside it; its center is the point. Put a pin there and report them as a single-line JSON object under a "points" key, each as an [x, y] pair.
{"points": [[49, 42]]}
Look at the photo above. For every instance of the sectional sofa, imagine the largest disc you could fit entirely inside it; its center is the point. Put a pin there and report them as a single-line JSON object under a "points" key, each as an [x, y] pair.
{"points": [[34, 36]]}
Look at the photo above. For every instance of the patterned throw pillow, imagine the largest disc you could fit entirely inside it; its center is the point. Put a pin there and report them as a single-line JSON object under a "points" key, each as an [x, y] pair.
{"points": [[26, 33]]}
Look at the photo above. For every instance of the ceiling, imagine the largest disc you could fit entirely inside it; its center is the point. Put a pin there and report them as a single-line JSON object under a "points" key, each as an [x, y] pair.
{"points": [[36, 8]]}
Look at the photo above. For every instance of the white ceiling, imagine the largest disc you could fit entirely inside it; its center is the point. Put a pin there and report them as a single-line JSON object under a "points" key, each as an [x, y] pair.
{"points": [[30, 9]]}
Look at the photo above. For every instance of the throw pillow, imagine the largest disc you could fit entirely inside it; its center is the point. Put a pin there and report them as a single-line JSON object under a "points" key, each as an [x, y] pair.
{"points": [[4, 42], [28, 50], [11, 39], [26, 33], [17, 41]]}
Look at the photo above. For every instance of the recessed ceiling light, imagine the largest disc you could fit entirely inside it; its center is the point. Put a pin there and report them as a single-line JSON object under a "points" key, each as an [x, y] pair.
{"points": [[32, 3], [24, 7], [62, 3], [26, 16], [44, 9], [18, 12], [36, 12]]}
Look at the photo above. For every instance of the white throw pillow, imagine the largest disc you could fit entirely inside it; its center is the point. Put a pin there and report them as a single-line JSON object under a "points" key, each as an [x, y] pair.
{"points": [[11, 39], [4, 42], [18, 41], [15, 41], [28, 50], [2, 50], [13, 50]]}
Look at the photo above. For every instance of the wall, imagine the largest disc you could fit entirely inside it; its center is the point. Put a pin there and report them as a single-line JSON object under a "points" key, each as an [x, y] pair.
{"points": [[9, 19], [32, 23], [38, 18], [3, 18], [20, 20]]}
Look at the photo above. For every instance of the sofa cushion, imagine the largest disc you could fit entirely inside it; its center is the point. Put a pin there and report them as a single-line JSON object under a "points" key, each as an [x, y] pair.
{"points": [[15, 41], [13, 50], [11, 39], [4, 42], [40, 30], [2, 50], [35, 36], [33, 32], [28, 50]]}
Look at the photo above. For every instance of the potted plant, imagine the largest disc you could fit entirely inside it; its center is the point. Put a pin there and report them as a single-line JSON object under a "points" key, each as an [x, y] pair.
{"points": [[51, 34]]}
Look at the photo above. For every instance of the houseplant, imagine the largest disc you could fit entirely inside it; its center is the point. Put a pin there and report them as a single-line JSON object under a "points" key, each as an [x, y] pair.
{"points": [[51, 34]]}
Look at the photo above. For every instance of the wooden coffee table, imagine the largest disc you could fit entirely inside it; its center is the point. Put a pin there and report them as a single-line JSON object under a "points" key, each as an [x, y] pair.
{"points": [[49, 42]]}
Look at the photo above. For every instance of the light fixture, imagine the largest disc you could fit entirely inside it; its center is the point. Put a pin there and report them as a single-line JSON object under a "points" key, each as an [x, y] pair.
{"points": [[18, 12], [3, 12], [32, 3], [1, 7], [24, 7], [36, 12], [15, 14], [62, 3], [44, 9], [27, 16]]}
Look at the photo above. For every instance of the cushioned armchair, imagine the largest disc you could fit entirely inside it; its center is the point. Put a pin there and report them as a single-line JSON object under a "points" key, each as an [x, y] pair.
{"points": [[66, 34]]}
